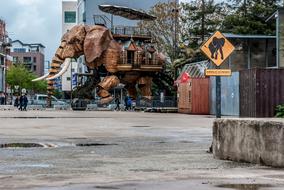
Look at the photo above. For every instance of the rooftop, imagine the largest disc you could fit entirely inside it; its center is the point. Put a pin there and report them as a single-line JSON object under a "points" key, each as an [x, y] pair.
{"points": [[31, 44]]}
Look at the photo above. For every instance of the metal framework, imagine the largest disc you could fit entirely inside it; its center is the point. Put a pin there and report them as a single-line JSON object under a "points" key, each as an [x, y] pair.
{"points": [[126, 12]]}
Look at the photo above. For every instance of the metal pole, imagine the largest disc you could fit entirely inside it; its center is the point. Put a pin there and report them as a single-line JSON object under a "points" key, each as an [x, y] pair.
{"points": [[71, 78], [218, 97], [277, 40]]}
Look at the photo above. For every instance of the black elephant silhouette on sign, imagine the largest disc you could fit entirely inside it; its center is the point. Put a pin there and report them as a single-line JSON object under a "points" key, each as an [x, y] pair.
{"points": [[215, 46]]}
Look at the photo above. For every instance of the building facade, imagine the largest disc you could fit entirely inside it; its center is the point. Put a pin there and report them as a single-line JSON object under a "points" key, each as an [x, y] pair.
{"points": [[69, 19], [32, 55], [5, 58]]}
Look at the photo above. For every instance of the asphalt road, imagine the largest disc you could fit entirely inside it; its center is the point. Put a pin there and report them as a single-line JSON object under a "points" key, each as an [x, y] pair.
{"points": [[119, 150]]}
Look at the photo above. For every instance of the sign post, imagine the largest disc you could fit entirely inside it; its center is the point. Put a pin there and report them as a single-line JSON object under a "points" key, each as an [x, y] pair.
{"points": [[217, 48], [218, 97]]}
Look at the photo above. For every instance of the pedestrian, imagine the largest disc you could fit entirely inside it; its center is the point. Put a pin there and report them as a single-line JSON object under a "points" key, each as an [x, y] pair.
{"points": [[25, 102], [2, 98], [16, 102], [125, 102], [21, 103], [117, 101], [129, 103]]}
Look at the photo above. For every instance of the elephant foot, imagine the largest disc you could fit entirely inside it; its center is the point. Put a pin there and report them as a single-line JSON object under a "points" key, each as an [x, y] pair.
{"points": [[106, 100]]}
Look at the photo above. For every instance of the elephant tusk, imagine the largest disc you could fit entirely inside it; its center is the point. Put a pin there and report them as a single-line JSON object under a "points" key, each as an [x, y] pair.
{"points": [[66, 65], [41, 78]]}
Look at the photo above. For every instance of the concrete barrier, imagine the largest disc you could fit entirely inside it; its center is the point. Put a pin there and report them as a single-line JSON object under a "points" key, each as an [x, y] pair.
{"points": [[253, 141]]}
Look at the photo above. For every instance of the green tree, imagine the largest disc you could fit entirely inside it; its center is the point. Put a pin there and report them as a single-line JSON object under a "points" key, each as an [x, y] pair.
{"points": [[249, 17], [19, 75], [199, 19]]}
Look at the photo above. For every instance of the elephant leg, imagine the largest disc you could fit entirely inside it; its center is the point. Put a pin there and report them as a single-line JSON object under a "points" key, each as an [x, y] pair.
{"points": [[221, 52], [145, 84], [105, 85], [212, 50]]}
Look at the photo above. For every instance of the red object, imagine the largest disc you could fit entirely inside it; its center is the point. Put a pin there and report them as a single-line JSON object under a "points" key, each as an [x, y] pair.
{"points": [[184, 77]]}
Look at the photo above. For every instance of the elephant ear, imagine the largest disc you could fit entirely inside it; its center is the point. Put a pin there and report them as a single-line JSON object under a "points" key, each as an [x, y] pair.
{"points": [[96, 42]]}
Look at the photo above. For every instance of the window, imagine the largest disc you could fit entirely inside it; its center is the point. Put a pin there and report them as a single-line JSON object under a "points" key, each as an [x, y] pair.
{"points": [[130, 57], [34, 67], [27, 60], [15, 59], [70, 17], [34, 59], [20, 50]]}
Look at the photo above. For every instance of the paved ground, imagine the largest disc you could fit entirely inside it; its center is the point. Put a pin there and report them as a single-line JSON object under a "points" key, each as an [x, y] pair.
{"points": [[126, 150]]}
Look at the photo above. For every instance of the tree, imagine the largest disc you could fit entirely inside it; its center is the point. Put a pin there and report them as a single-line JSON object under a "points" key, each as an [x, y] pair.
{"points": [[199, 19], [164, 29], [249, 17], [19, 75]]}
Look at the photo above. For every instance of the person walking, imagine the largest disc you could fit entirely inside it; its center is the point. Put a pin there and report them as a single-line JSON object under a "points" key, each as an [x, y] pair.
{"points": [[125, 102], [2, 98], [21, 103], [117, 101], [25, 102], [129, 103], [16, 102]]}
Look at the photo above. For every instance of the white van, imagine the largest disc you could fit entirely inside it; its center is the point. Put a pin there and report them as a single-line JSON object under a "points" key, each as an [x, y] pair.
{"points": [[40, 99]]}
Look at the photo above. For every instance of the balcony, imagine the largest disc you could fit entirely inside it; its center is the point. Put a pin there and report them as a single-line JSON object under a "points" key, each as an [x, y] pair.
{"points": [[130, 31]]}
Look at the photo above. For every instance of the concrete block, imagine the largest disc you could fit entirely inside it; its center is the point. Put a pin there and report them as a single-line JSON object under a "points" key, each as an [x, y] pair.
{"points": [[252, 141]]}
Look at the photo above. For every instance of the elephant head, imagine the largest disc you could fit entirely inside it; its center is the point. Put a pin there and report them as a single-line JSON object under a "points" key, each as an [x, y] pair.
{"points": [[91, 41], [215, 46]]}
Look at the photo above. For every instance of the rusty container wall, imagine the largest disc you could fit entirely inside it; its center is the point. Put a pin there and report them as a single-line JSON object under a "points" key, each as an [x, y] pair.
{"points": [[184, 100], [230, 99], [261, 90], [200, 96]]}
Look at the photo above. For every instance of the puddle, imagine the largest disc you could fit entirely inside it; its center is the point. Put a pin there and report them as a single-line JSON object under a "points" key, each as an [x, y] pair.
{"points": [[95, 144], [275, 176], [146, 170], [106, 187], [51, 145], [32, 165], [21, 145], [35, 145], [141, 126], [244, 186]]}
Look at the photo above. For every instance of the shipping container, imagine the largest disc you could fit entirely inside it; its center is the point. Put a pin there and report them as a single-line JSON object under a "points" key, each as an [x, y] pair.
{"points": [[194, 96], [230, 96], [261, 90]]}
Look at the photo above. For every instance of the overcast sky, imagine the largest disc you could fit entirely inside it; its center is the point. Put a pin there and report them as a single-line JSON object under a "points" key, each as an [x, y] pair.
{"points": [[34, 21]]}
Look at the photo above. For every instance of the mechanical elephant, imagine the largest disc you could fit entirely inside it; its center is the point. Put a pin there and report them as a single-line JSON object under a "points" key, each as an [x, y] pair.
{"points": [[98, 46]]}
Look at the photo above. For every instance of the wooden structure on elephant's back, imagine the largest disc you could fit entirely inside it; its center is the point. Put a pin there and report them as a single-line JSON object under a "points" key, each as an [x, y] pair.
{"points": [[138, 53]]}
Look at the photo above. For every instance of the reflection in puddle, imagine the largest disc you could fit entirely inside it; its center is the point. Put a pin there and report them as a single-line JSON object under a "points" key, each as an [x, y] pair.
{"points": [[244, 186]]}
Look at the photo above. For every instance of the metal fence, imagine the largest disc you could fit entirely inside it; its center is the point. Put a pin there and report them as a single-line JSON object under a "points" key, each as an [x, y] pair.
{"points": [[157, 101]]}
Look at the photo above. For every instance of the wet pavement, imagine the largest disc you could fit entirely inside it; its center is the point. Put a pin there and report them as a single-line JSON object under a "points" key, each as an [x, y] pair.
{"points": [[64, 150]]}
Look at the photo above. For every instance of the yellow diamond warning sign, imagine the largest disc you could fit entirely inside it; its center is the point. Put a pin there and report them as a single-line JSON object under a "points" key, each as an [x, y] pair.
{"points": [[217, 48]]}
